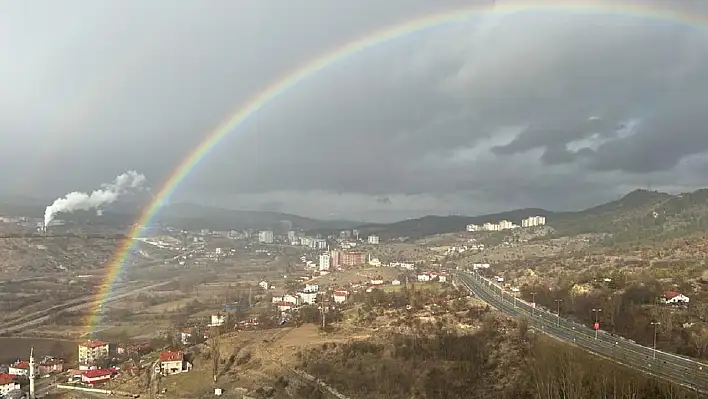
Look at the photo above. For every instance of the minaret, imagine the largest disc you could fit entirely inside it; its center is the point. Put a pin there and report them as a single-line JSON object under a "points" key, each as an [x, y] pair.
{"points": [[31, 374]]}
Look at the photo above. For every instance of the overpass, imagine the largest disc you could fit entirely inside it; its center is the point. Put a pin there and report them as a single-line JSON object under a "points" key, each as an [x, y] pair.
{"points": [[668, 366]]}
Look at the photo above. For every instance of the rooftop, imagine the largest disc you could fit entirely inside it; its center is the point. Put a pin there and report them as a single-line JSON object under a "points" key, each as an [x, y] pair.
{"points": [[93, 344], [96, 373], [6, 378], [171, 356], [24, 364]]}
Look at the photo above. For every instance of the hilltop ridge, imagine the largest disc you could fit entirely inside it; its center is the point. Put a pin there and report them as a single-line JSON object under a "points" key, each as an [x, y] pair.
{"points": [[636, 215]]}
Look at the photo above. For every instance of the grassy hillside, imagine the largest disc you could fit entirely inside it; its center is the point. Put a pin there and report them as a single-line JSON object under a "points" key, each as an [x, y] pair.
{"points": [[430, 225], [639, 215]]}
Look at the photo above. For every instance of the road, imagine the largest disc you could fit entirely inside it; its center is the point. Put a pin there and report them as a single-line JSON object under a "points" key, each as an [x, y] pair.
{"points": [[678, 369]]}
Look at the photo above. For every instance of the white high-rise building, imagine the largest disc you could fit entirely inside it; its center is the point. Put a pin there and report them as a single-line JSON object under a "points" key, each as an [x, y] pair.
{"points": [[265, 237], [373, 239], [491, 227], [474, 227], [533, 221], [505, 225], [324, 262]]}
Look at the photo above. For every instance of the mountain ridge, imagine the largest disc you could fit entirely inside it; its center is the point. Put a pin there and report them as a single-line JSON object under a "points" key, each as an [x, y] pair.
{"points": [[639, 213]]}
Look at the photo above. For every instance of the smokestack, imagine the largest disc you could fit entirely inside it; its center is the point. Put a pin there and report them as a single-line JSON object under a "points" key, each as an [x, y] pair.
{"points": [[32, 374]]}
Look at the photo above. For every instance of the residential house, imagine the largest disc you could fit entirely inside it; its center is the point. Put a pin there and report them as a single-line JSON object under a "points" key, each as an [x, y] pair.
{"points": [[172, 362], [339, 296], [263, 284], [307, 297], [277, 299], [51, 365], [378, 280], [186, 336], [217, 320], [396, 282], [97, 376], [8, 383], [442, 278], [74, 375], [19, 368], [674, 298], [312, 287], [285, 306], [423, 277], [291, 298], [93, 350]]}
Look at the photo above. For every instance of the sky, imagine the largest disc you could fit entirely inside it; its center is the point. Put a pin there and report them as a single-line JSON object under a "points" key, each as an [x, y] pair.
{"points": [[556, 110]]}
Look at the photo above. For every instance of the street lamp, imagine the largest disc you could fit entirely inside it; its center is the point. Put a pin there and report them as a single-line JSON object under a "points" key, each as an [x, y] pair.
{"points": [[558, 305], [655, 323], [597, 324]]}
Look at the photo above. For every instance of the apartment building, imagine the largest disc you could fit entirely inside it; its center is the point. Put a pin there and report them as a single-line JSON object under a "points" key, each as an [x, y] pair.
{"points": [[93, 350]]}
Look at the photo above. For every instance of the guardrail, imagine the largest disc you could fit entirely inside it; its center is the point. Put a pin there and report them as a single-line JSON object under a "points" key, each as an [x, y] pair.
{"points": [[678, 369]]}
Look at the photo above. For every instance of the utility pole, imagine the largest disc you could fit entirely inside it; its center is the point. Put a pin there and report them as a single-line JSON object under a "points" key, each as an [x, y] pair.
{"points": [[558, 305], [323, 312], [655, 323], [597, 324]]}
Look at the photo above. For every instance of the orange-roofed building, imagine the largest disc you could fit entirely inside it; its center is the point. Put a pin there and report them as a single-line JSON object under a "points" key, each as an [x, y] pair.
{"points": [[93, 377], [8, 383], [172, 362], [19, 368]]}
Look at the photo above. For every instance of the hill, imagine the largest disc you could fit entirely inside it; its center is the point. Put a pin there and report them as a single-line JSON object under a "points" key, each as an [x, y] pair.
{"points": [[191, 215], [431, 225], [639, 215]]}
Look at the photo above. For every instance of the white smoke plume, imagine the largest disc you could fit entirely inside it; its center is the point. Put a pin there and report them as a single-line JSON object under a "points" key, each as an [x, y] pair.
{"points": [[107, 194]]}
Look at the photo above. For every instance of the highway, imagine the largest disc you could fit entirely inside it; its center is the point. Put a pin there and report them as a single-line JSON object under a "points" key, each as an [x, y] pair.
{"points": [[678, 369]]}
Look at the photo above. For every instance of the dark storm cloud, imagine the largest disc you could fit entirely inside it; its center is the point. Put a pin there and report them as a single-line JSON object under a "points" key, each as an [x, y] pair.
{"points": [[535, 109]]}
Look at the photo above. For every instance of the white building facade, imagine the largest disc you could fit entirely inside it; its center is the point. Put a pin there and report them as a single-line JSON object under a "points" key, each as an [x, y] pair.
{"points": [[265, 237], [324, 262], [533, 221]]}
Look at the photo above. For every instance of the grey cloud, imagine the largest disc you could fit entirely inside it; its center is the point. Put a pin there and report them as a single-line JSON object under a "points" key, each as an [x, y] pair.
{"points": [[471, 117]]}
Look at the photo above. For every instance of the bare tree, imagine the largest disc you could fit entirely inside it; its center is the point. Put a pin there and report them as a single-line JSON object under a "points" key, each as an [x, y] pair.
{"points": [[215, 353]]}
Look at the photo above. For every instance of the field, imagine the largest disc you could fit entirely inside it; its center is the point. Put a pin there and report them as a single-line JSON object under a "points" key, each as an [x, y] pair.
{"points": [[418, 286], [19, 348]]}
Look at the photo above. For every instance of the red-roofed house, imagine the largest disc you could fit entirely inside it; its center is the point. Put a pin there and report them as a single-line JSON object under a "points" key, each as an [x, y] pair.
{"points": [[92, 351], [93, 377], [172, 362], [8, 383], [19, 368], [51, 365], [285, 306], [673, 297], [340, 296]]}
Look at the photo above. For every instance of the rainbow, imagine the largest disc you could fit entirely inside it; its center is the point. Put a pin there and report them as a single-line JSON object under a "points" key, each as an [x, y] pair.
{"points": [[311, 68]]}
